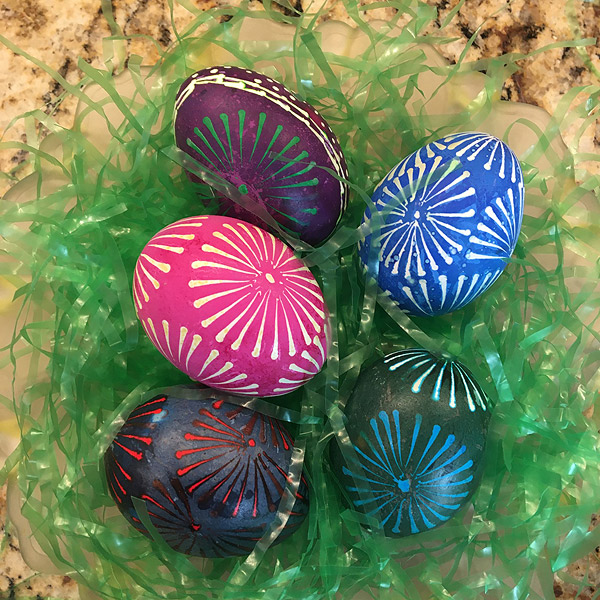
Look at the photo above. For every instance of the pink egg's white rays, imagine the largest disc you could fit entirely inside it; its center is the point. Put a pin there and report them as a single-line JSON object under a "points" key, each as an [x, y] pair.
{"points": [[231, 306]]}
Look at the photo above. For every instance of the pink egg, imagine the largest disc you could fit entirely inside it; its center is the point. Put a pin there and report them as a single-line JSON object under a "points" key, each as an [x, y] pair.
{"points": [[231, 306]]}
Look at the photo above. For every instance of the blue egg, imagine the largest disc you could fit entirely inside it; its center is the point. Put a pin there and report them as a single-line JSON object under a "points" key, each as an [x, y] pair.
{"points": [[451, 214]]}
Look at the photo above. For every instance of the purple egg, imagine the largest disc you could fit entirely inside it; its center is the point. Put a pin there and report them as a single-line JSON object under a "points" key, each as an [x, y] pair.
{"points": [[274, 148]]}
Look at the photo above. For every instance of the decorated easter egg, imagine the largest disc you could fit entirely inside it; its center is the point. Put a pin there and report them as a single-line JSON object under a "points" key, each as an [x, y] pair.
{"points": [[450, 217], [211, 473], [418, 427], [274, 148], [231, 306]]}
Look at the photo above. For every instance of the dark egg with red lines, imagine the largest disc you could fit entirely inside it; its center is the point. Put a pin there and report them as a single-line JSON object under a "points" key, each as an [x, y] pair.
{"points": [[273, 148], [211, 473], [231, 306]]}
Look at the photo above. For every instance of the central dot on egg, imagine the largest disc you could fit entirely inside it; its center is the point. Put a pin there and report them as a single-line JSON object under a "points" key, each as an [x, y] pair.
{"points": [[243, 189], [417, 214], [251, 443], [270, 278]]}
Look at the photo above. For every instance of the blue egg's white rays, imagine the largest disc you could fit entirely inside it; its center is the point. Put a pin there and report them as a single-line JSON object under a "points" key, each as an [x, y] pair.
{"points": [[425, 200]]}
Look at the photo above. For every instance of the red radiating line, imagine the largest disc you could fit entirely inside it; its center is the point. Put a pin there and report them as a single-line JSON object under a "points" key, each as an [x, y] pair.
{"points": [[237, 508], [122, 469], [146, 497], [248, 428], [254, 513], [182, 453], [146, 440], [201, 481], [206, 426], [150, 412], [273, 435], [203, 438], [271, 475], [207, 413], [185, 470], [115, 492], [282, 433], [161, 399], [136, 455], [119, 484], [232, 486]]}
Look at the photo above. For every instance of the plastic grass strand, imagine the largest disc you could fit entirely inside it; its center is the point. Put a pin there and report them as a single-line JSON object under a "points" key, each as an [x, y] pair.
{"points": [[532, 340]]}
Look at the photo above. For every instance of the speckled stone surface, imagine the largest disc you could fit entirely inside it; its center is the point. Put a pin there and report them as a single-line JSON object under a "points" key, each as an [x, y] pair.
{"points": [[60, 34]]}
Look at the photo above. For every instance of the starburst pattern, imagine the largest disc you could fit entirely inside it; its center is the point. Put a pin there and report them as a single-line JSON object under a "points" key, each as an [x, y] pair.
{"points": [[410, 480], [211, 487], [249, 293], [271, 153], [448, 377], [453, 212]]}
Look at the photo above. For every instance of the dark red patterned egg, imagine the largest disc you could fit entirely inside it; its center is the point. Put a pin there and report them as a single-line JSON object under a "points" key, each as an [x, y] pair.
{"points": [[275, 149], [211, 473]]}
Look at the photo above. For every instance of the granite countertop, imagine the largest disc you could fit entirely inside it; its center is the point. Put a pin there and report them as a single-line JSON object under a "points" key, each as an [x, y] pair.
{"points": [[60, 33]]}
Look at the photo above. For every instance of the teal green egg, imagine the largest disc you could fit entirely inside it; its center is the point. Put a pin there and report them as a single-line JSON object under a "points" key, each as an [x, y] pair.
{"points": [[418, 426]]}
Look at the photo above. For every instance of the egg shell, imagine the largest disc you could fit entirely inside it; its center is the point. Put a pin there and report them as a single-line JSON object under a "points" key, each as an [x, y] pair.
{"points": [[211, 473], [231, 306], [418, 425], [452, 213], [253, 132]]}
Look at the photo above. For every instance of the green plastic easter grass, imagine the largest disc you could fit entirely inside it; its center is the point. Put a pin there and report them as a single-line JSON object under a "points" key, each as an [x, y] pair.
{"points": [[531, 341]]}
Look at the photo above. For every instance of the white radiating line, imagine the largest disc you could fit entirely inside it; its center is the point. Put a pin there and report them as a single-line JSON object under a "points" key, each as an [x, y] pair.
{"points": [[165, 325], [178, 236], [213, 318], [161, 266], [209, 249], [243, 240], [488, 164], [196, 339], [485, 144], [238, 341], [465, 194], [502, 172], [199, 264], [306, 356], [464, 175], [443, 279], [226, 367], [156, 340], [275, 349], [298, 319], [291, 345], [485, 229], [410, 296], [202, 301], [183, 331], [461, 281], [423, 286], [253, 239], [317, 343], [501, 206], [475, 240], [432, 262], [152, 279], [141, 286], [225, 331], [175, 249], [261, 330], [211, 357], [445, 256], [297, 369]]}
